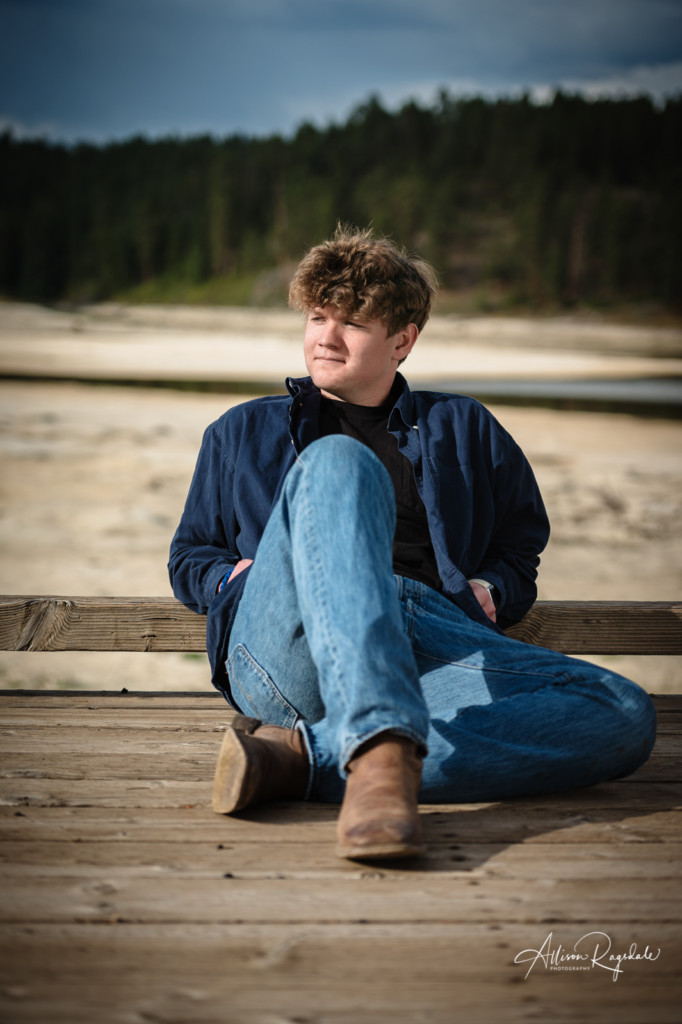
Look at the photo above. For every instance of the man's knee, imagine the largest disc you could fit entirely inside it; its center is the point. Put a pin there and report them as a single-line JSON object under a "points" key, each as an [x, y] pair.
{"points": [[633, 728], [338, 448], [639, 709], [340, 461]]}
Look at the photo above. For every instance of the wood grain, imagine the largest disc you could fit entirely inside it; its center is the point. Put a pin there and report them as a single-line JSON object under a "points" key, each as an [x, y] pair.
{"points": [[162, 624], [328, 973], [124, 898]]}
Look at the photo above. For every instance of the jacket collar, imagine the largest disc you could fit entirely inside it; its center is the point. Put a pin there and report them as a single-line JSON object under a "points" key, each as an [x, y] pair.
{"points": [[301, 388], [404, 406], [305, 406], [303, 411]]}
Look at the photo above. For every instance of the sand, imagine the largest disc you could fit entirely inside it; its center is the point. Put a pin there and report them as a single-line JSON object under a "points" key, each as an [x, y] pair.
{"points": [[94, 476]]}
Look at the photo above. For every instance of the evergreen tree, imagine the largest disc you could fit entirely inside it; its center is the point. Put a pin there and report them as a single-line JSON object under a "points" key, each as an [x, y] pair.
{"points": [[569, 202]]}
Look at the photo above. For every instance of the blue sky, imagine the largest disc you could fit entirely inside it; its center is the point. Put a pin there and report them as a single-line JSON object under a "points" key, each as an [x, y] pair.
{"points": [[105, 69]]}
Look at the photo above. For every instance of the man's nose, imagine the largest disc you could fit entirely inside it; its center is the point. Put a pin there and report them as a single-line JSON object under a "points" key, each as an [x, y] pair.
{"points": [[331, 335]]}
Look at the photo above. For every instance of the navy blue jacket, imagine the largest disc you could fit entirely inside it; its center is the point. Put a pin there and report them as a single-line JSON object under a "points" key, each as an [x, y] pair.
{"points": [[484, 509]]}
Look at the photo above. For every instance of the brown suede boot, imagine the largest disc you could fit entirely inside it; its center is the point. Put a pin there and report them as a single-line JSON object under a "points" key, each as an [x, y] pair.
{"points": [[258, 763], [380, 813]]}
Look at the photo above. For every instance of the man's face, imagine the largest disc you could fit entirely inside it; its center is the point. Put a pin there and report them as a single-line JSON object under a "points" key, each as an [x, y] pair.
{"points": [[352, 360]]}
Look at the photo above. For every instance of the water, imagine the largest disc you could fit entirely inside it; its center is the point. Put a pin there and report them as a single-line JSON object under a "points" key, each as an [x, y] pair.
{"points": [[659, 397]]}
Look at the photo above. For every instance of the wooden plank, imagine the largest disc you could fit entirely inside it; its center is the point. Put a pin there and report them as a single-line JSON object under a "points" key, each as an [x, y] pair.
{"points": [[35, 710], [302, 901], [40, 705], [670, 705], [108, 734], [327, 973], [24, 860], [131, 793], [416, 898], [162, 624], [166, 744], [111, 700], [603, 627], [99, 624], [610, 820], [25, 791], [37, 700], [195, 760], [213, 718], [83, 750], [191, 765]]}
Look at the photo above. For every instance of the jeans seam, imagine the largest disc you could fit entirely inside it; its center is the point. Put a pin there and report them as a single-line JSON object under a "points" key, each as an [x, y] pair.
{"points": [[265, 678], [409, 620], [314, 766], [563, 677], [318, 578]]}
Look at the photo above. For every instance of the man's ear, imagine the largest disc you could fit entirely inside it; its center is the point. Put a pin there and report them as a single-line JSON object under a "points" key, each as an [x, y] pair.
{"points": [[404, 341]]}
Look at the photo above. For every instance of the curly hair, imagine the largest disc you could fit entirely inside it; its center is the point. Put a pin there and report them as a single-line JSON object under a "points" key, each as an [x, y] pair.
{"points": [[365, 277]]}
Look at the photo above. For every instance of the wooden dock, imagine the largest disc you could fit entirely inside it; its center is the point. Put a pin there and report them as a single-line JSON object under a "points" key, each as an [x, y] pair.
{"points": [[125, 899]]}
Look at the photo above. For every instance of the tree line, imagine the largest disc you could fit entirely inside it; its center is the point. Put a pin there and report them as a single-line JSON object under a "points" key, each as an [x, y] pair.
{"points": [[569, 202]]}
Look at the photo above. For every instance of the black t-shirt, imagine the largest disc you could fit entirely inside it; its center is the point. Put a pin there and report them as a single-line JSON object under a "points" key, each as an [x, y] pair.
{"points": [[413, 554]]}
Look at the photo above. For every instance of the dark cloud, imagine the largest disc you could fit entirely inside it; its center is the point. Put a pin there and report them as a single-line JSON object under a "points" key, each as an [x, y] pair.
{"points": [[97, 69]]}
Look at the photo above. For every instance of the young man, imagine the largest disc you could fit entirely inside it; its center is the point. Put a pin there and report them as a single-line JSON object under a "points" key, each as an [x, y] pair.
{"points": [[359, 549]]}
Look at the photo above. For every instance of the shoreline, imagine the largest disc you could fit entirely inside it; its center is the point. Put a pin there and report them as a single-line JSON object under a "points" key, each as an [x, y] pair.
{"points": [[235, 344], [650, 397]]}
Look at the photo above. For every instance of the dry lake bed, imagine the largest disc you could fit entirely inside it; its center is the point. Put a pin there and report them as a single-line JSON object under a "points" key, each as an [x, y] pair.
{"points": [[94, 474]]}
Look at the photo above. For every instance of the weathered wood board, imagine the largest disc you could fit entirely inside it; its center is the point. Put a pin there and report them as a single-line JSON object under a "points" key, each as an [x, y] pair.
{"points": [[163, 624], [123, 898]]}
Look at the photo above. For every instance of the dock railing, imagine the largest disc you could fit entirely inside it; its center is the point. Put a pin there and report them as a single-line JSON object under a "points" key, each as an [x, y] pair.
{"points": [[42, 623]]}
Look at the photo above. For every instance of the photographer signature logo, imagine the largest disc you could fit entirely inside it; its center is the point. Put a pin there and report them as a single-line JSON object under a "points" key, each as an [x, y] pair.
{"points": [[594, 949]]}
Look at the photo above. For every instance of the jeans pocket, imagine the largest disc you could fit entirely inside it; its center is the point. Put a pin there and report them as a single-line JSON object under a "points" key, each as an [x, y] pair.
{"points": [[255, 693]]}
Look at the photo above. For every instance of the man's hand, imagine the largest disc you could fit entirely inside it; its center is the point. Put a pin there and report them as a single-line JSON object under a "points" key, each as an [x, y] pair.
{"points": [[235, 572], [243, 564], [485, 600]]}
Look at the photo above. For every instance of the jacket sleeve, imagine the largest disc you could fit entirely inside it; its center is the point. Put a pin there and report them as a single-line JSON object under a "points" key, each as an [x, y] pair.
{"points": [[520, 533], [204, 547]]}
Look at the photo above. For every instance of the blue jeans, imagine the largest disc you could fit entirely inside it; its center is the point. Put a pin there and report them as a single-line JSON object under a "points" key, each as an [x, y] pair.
{"points": [[327, 639]]}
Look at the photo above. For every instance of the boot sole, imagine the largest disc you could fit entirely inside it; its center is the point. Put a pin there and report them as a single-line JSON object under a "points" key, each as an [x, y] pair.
{"points": [[230, 784], [381, 851]]}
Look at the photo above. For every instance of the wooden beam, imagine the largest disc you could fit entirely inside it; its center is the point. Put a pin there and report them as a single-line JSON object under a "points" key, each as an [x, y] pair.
{"points": [[99, 624], [604, 627], [163, 624]]}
